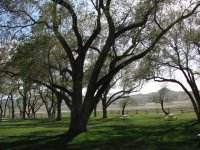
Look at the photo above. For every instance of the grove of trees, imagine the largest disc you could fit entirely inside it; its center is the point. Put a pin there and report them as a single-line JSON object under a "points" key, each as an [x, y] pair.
{"points": [[73, 51]]}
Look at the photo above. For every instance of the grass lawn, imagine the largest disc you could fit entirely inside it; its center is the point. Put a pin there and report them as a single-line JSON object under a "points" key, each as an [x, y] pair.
{"points": [[140, 132]]}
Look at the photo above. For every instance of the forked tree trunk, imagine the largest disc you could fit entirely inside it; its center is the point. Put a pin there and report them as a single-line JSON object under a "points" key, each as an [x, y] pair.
{"points": [[78, 123], [79, 119], [79, 116]]}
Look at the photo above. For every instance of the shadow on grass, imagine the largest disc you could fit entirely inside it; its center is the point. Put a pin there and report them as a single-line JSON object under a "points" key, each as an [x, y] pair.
{"points": [[112, 135], [58, 142], [191, 123], [140, 138], [45, 123], [167, 136]]}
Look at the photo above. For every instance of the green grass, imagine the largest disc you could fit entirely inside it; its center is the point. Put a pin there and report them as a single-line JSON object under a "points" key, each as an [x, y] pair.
{"points": [[140, 132]]}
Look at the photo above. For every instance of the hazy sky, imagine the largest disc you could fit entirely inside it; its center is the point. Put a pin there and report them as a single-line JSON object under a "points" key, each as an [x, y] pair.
{"points": [[152, 86]]}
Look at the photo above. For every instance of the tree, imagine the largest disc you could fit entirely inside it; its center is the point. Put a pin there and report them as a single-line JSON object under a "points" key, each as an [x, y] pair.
{"points": [[125, 102], [8, 94], [161, 97], [11, 105], [35, 103], [179, 54], [24, 90], [126, 85], [49, 101], [44, 64], [128, 35], [5, 106]]}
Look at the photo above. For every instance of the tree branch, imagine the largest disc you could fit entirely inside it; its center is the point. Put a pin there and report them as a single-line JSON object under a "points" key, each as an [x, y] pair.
{"points": [[74, 18]]}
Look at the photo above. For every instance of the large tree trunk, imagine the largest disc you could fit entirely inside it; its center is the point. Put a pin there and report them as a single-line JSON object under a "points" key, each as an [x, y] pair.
{"points": [[59, 102], [162, 107], [78, 123], [80, 112], [79, 119]]}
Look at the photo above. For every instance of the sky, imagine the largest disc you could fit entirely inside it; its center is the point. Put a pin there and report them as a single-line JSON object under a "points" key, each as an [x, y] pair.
{"points": [[152, 86]]}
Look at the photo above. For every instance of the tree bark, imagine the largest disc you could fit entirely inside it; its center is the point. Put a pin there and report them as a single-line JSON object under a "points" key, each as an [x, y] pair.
{"points": [[198, 116], [13, 112], [95, 111], [33, 114], [196, 110], [197, 98], [59, 102], [78, 124], [12, 107], [162, 107], [1, 111], [48, 113], [123, 109], [104, 103], [79, 113], [104, 108], [5, 108], [24, 108], [53, 106], [79, 119]]}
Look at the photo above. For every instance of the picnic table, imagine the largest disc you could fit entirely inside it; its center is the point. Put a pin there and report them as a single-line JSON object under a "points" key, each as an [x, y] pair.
{"points": [[124, 117], [170, 117], [3, 119]]}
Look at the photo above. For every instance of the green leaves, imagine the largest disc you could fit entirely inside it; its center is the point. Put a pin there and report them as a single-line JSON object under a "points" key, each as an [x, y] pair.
{"points": [[29, 56]]}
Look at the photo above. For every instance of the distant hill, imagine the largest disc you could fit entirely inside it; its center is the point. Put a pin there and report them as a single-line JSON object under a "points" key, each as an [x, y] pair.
{"points": [[145, 98]]}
